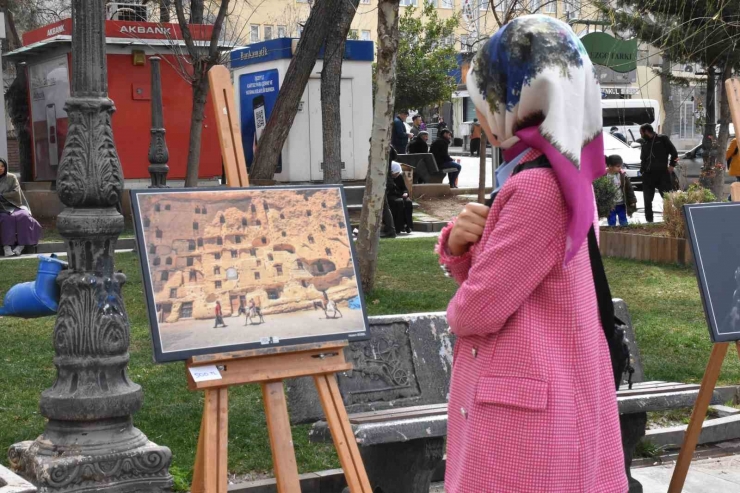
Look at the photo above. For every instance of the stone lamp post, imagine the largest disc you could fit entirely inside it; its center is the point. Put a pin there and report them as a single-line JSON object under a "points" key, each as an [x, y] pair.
{"points": [[158, 154], [90, 442]]}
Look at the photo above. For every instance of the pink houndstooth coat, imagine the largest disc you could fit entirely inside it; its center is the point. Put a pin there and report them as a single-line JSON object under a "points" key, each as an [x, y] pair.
{"points": [[532, 405]]}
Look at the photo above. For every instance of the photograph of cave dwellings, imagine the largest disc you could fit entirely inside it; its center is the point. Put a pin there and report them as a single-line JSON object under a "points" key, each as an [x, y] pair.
{"points": [[233, 267]]}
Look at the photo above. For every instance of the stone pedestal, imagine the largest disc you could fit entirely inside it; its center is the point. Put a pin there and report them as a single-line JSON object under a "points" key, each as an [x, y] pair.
{"points": [[404, 467]]}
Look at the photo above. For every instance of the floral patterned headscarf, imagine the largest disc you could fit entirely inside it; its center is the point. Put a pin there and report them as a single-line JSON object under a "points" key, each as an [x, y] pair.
{"points": [[535, 84]]}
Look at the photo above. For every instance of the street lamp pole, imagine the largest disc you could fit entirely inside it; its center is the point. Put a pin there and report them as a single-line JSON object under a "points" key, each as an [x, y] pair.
{"points": [[90, 442], [158, 154]]}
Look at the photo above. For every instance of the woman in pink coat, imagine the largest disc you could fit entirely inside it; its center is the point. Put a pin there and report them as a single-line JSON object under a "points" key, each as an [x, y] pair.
{"points": [[532, 405]]}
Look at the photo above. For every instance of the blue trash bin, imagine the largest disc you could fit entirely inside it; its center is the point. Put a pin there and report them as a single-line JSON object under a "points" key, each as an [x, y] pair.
{"points": [[39, 298]]}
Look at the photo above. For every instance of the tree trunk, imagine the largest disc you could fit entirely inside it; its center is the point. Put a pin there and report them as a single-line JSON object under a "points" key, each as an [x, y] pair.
{"points": [[296, 77], [331, 82], [667, 90], [724, 111], [196, 11], [164, 11], [385, 97], [709, 122], [200, 96]]}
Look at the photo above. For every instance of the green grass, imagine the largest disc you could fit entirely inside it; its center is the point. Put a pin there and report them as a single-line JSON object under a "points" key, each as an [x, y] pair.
{"points": [[51, 235], [664, 303]]}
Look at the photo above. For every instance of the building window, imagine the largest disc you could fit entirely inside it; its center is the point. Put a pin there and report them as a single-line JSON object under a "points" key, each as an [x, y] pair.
{"points": [[282, 216], [447, 4], [365, 35], [186, 310], [279, 270], [252, 208], [483, 5], [157, 208], [218, 284], [222, 219], [464, 43], [193, 276], [167, 207], [258, 222], [152, 249], [173, 292], [259, 263], [273, 294], [257, 276], [245, 222], [282, 31], [365, 2], [353, 34], [147, 222], [340, 224], [157, 261], [168, 261], [197, 210], [268, 32], [266, 206], [572, 6], [216, 271], [200, 242], [310, 239], [409, 3], [323, 228], [299, 264], [165, 275], [191, 245], [253, 252], [304, 283], [433, 2], [270, 257], [328, 251], [254, 33], [284, 234], [299, 30], [234, 254], [158, 234], [217, 256], [204, 211], [189, 261], [195, 225], [219, 241], [238, 239], [551, 7], [319, 267], [264, 240], [308, 213], [323, 205]]}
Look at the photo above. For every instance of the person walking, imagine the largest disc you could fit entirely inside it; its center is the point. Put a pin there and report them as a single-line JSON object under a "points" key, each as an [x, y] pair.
{"points": [[18, 228], [475, 138], [733, 159], [658, 159], [440, 150], [625, 202], [219, 316], [399, 136], [532, 406]]}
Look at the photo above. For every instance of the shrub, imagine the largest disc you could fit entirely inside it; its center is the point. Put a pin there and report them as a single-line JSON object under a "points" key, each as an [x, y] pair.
{"points": [[606, 195], [673, 207]]}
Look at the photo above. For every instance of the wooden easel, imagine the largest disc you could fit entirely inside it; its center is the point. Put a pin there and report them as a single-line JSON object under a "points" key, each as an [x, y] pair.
{"points": [[268, 367], [719, 350]]}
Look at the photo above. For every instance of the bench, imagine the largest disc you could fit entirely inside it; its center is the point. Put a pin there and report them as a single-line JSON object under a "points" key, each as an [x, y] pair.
{"points": [[396, 397], [425, 167]]}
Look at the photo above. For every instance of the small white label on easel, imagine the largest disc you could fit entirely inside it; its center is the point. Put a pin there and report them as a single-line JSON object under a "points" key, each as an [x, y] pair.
{"points": [[275, 340], [205, 373], [264, 340]]}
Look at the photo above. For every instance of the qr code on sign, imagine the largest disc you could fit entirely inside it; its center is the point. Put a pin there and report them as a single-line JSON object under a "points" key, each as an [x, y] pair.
{"points": [[260, 119]]}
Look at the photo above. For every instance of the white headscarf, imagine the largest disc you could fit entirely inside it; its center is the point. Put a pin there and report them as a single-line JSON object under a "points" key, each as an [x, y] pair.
{"points": [[395, 167]]}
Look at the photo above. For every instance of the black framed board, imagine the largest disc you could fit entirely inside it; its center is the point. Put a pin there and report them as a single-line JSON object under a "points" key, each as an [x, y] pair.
{"points": [[229, 269], [714, 232]]}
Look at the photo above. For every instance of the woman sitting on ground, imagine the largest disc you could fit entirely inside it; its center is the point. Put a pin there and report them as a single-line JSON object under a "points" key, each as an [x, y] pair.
{"points": [[398, 199], [18, 229]]}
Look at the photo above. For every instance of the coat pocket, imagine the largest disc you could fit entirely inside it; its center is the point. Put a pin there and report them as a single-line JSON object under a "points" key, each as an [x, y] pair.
{"points": [[518, 392]]}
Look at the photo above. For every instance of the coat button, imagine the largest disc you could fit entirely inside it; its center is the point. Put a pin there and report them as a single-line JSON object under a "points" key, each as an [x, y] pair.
{"points": [[475, 352], [464, 412]]}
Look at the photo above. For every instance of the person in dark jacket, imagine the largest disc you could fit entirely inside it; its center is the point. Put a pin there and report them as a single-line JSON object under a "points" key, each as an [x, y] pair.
{"points": [[626, 202], [398, 198], [419, 144], [658, 159], [389, 229], [399, 135], [440, 150]]}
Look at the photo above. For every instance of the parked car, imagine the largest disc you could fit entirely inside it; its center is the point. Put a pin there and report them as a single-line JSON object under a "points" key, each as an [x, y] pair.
{"points": [[690, 164], [630, 156]]}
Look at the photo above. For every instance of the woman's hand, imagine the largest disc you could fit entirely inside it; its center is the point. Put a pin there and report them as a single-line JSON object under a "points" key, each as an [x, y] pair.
{"points": [[468, 228]]}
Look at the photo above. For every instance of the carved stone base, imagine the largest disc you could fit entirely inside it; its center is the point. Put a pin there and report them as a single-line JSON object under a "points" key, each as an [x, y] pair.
{"points": [[91, 456], [405, 467], [633, 429]]}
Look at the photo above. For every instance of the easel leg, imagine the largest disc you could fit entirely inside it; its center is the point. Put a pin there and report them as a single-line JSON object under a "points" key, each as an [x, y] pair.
{"points": [[210, 474], [281, 440], [341, 432], [719, 350]]}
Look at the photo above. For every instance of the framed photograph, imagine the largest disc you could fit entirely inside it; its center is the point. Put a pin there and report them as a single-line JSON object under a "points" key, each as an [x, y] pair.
{"points": [[230, 269], [714, 231]]}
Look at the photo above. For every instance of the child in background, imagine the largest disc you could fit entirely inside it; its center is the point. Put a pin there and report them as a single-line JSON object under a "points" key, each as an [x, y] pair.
{"points": [[626, 203]]}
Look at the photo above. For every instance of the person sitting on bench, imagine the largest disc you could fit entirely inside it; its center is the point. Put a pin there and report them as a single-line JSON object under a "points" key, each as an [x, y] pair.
{"points": [[397, 196], [440, 150], [419, 144]]}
